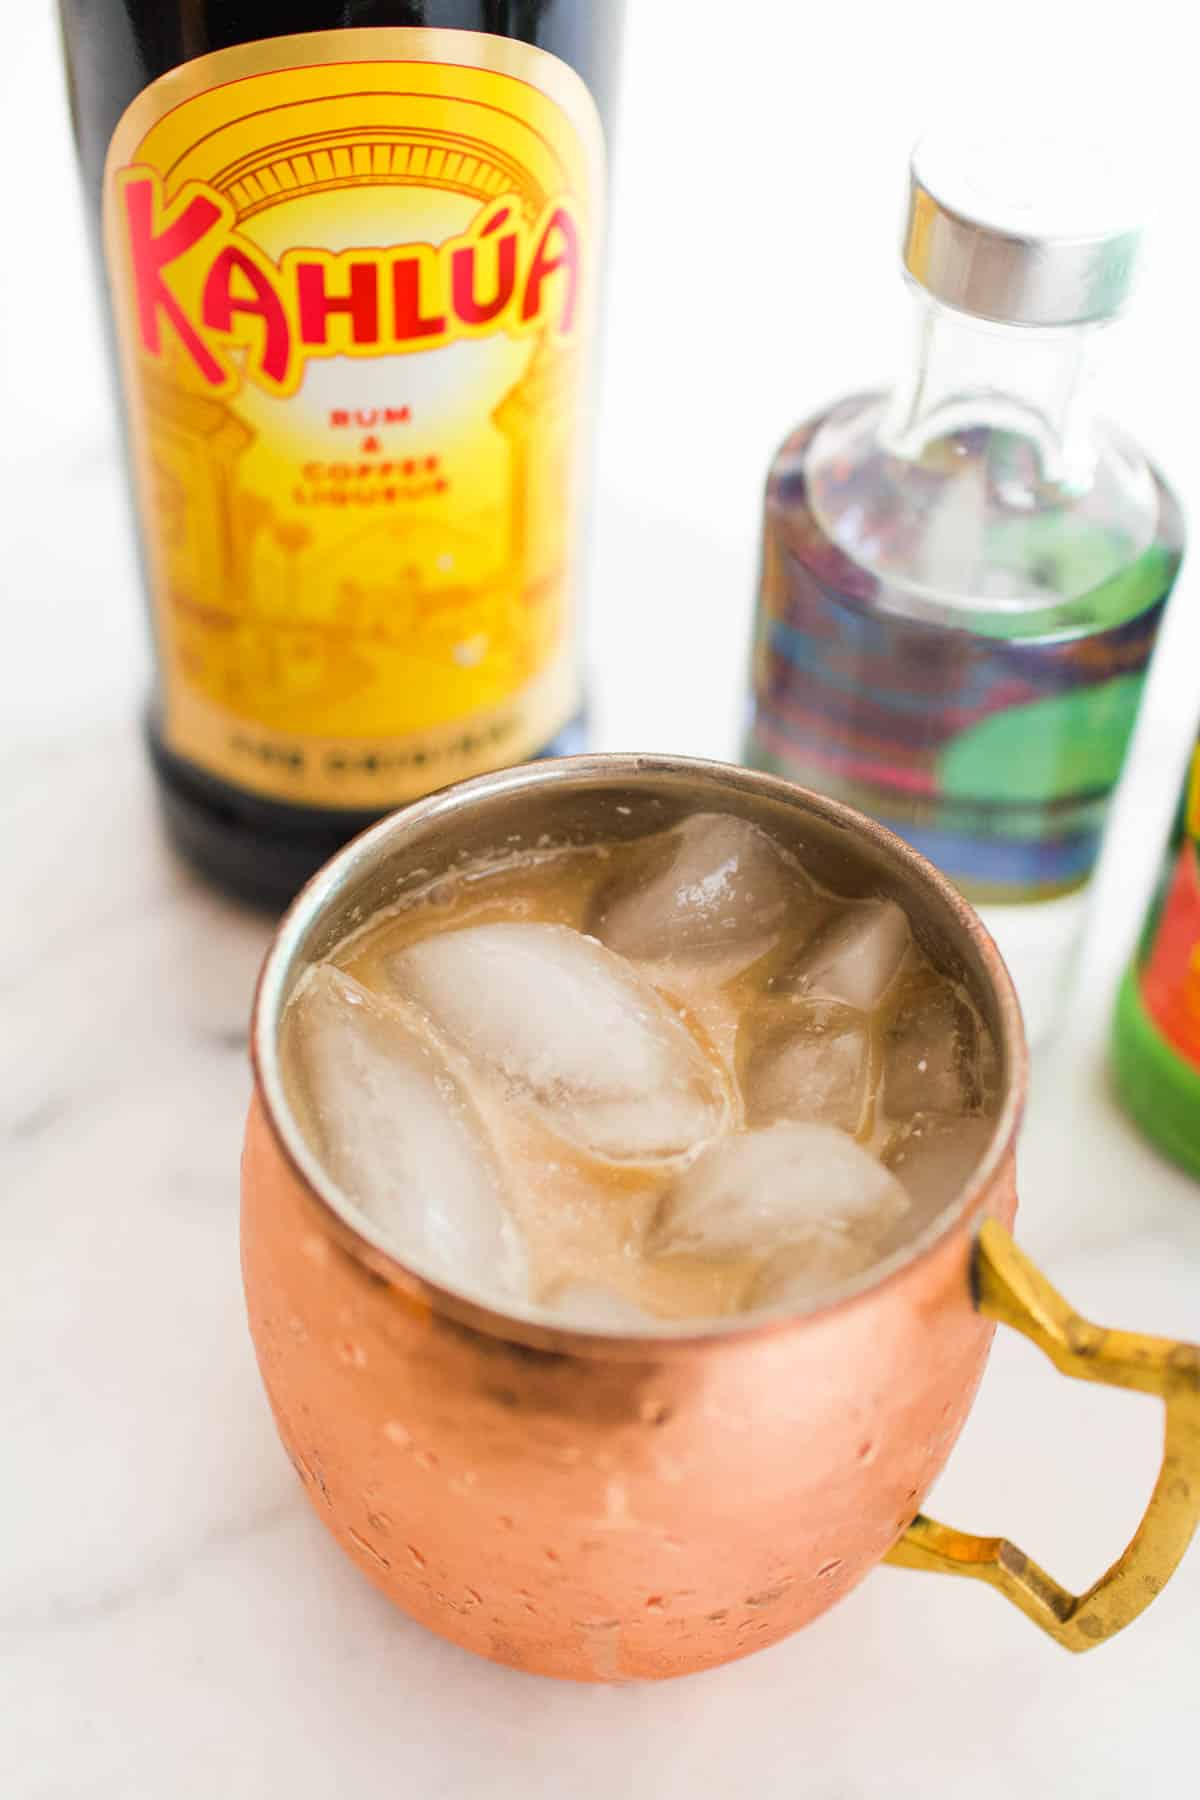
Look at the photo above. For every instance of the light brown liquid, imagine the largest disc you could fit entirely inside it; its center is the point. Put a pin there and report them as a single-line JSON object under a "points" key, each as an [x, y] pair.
{"points": [[584, 1220]]}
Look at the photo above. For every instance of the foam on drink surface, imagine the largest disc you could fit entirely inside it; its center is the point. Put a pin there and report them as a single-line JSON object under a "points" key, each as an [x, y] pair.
{"points": [[699, 1082]]}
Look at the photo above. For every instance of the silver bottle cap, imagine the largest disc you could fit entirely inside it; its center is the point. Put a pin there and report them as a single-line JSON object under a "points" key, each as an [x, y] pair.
{"points": [[1029, 231]]}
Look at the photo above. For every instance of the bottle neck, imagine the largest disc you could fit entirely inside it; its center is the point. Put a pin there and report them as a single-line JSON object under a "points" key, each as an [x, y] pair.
{"points": [[1026, 383]]}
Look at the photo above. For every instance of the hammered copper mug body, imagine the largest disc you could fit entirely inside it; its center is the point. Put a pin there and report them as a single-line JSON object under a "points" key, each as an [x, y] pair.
{"points": [[605, 1507]]}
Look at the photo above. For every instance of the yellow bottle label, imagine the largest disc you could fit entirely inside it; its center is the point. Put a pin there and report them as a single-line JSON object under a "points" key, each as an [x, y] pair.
{"points": [[353, 276]]}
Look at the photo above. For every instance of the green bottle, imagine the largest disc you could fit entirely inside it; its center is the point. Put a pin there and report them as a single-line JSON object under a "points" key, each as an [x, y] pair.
{"points": [[1156, 1027]]}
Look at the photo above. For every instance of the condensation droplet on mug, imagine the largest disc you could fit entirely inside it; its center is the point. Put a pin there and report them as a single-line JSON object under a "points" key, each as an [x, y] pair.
{"points": [[656, 1604], [866, 1452], [298, 1463], [418, 1559], [602, 1644], [353, 1355], [397, 1434], [829, 1568], [654, 1412], [425, 1459], [367, 1548]]}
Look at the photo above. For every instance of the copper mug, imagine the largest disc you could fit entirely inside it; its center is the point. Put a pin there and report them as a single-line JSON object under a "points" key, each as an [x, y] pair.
{"points": [[606, 1507]]}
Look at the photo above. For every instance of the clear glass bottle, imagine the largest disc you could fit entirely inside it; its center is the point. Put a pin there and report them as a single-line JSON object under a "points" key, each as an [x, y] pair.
{"points": [[962, 580]]}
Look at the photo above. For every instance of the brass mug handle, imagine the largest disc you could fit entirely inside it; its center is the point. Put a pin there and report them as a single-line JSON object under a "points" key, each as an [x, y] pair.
{"points": [[1009, 1289]]}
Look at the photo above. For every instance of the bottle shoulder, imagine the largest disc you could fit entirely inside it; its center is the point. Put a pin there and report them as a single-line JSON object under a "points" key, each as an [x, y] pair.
{"points": [[967, 535]]}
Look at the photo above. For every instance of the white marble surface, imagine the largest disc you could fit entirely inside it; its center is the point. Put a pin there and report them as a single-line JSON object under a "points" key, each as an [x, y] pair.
{"points": [[173, 1620]]}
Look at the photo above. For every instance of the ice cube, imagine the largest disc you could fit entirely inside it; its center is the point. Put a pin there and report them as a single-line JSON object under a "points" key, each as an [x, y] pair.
{"points": [[400, 1135], [786, 1186], [590, 1307], [715, 889], [809, 1063], [853, 956], [933, 1156], [932, 1059], [805, 1271], [572, 1028]]}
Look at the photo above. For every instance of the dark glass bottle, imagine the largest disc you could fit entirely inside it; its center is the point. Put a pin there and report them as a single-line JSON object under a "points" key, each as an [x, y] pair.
{"points": [[352, 257]]}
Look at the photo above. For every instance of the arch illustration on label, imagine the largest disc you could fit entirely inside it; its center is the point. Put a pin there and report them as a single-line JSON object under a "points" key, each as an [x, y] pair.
{"points": [[353, 277]]}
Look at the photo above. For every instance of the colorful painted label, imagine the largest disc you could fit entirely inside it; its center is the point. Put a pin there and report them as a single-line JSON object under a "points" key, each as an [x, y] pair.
{"points": [[353, 276], [1169, 966], [995, 755]]}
